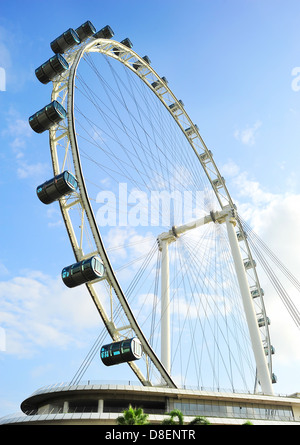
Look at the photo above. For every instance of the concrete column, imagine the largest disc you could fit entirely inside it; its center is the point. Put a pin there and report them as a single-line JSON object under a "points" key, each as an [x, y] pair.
{"points": [[66, 407], [100, 406]]}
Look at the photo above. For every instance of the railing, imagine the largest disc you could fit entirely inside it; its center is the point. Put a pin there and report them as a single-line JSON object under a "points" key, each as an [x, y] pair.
{"points": [[82, 383]]}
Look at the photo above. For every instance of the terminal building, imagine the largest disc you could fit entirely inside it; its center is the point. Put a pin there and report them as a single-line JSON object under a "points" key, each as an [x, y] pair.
{"points": [[100, 404]]}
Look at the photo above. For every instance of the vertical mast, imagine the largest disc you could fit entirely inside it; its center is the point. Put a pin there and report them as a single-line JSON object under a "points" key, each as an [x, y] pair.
{"points": [[262, 368], [165, 306]]}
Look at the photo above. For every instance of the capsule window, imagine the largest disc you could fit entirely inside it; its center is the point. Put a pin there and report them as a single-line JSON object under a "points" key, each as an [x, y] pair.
{"points": [[115, 349], [98, 266], [126, 346], [104, 352], [65, 273]]}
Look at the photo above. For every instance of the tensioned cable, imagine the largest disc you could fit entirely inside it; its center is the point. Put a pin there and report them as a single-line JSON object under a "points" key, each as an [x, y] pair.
{"points": [[258, 247], [157, 118], [216, 328], [210, 324], [250, 232], [222, 315], [169, 160], [99, 341], [89, 358]]}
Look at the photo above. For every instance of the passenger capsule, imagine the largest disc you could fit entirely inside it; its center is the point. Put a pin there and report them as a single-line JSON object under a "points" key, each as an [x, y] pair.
{"points": [[125, 42], [206, 156], [267, 350], [257, 292], [248, 264], [218, 183], [61, 185], [55, 66], [83, 272], [104, 33], [175, 106], [138, 65], [65, 41], [262, 322], [157, 85], [121, 351], [85, 30], [48, 116], [241, 236], [191, 130]]}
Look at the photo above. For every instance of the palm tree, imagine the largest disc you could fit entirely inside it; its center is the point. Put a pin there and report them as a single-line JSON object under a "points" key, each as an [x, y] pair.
{"points": [[136, 416], [133, 416], [177, 413], [199, 420], [173, 414]]}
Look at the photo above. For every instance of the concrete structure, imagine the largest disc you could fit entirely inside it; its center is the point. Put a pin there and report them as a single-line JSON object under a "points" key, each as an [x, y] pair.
{"points": [[101, 404]]}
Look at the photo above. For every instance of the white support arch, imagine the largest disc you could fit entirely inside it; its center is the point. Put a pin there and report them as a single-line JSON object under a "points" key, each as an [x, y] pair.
{"points": [[63, 90]]}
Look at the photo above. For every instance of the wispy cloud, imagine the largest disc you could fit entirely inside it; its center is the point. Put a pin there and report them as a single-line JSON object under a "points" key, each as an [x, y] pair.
{"points": [[18, 133], [248, 135], [26, 170], [38, 311]]}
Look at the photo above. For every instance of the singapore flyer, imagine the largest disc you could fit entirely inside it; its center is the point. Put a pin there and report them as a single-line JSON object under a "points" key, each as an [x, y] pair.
{"points": [[112, 119], [151, 214]]}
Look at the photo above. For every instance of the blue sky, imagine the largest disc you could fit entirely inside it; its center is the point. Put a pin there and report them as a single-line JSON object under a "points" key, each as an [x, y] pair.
{"points": [[234, 65]]}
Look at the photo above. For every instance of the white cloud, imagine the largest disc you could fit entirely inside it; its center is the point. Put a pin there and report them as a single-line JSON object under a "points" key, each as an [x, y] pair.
{"points": [[125, 242], [53, 213], [248, 135], [26, 170], [37, 311], [230, 169], [18, 133]]}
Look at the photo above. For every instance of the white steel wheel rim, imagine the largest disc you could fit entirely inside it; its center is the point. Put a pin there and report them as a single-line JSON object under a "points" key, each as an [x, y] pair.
{"points": [[65, 134]]}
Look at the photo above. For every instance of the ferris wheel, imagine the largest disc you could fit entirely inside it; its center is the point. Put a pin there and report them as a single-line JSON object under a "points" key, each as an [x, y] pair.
{"points": [[157, 239]]}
